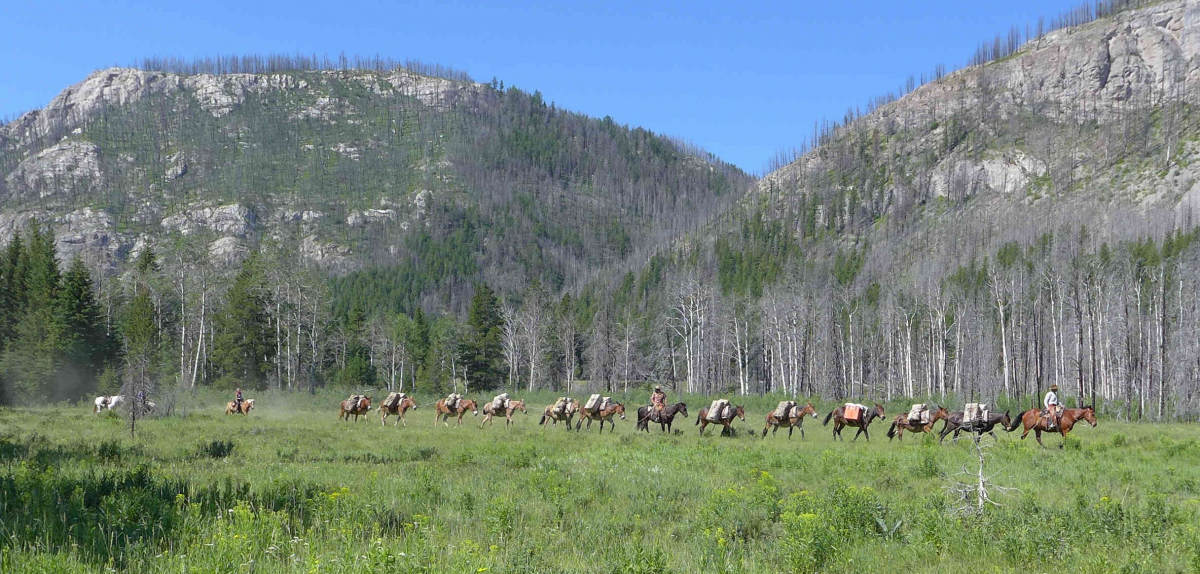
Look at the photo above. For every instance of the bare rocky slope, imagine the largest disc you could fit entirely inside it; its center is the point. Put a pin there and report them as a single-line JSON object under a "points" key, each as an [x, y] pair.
{"points": [[1092, 125]]}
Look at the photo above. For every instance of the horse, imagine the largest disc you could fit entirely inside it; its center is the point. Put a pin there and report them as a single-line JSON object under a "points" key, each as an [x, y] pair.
{"points": [[355, 407], [106, 402], [397, 409], [738, 411], [443, 413], [794, 420], [605, 414], [567, 414], [1032, 419], [901, 424], [489, 411], [954, 423], [838, 416], [665, 418], [232, 407]]}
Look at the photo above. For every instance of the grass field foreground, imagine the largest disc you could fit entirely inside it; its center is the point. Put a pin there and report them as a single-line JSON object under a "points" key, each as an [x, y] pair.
{"points": [[291, 489]]}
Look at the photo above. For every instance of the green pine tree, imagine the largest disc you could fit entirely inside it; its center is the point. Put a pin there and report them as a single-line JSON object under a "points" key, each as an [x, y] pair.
{"points": [[86, 349], [481, 344], [244, 343]]}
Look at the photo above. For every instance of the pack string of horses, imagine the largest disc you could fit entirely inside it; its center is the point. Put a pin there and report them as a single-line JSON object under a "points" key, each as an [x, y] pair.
{"points": [[921, 418]]}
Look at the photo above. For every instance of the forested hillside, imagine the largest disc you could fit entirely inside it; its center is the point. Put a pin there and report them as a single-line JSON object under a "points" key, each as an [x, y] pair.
{"points": [[1023, 221]]}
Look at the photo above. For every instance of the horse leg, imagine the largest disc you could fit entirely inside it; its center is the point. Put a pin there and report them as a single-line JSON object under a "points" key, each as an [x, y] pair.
{"points": [[860, 431], [1037, 433]]}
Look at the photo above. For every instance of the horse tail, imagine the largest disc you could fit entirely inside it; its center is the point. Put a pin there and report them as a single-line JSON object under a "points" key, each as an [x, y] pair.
{"points": [[892, 431], [543, 421], [699, 415], [827, 417]]}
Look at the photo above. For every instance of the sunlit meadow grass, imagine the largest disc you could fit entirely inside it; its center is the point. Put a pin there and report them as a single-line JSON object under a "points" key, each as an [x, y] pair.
{"points": [[290, 488]]}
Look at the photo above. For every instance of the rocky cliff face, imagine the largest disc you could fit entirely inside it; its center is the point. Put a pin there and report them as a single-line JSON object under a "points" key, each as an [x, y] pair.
{"points": [[1012, 127]]}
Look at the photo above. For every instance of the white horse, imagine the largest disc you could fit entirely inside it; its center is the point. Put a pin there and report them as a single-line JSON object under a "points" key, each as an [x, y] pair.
{"points": [[107, 402]]}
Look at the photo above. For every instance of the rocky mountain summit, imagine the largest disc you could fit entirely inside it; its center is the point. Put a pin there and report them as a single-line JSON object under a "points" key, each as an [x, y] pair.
{"points": [[343, 165]]}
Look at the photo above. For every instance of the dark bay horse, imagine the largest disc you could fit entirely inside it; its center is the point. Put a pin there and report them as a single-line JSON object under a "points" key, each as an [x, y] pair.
{"points": [[793, 421], [665, 418], [840, 421], [567, 413], [1032, 420], [605, 414], [489, 411], [901, 424], [725, 419], [954, 423], [397, 409], [443, 413], [357, 407]]}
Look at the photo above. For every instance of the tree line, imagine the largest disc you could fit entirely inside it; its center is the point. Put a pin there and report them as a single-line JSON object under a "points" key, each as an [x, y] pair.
{"points": [[1112, 325]]}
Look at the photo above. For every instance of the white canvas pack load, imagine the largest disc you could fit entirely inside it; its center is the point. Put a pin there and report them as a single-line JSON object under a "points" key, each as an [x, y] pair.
{"points": [[393, 399], [975, 412], [716, 409], [919, 412], [783, 408], [593, 402]]}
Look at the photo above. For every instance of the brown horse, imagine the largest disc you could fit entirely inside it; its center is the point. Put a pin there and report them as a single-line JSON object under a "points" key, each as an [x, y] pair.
{"points": [[442, 413], [901, 424], [665, 418], [489, 411], [232, 407], [359, 407], [567, 414], [397, 409], [602, 415], [1032, 420], [840, 421], [793, 421], [735, 412]]}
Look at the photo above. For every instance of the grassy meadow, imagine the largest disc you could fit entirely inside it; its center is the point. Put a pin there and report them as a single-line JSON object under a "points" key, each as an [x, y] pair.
{"points": [[291, 489]]}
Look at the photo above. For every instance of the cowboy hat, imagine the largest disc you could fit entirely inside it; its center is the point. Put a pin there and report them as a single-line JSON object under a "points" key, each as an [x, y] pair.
{"points": [[1054, 387]]}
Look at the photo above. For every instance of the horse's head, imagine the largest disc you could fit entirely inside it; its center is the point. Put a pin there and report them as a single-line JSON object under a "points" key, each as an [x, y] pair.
{"points": [[1089, 415], [809, 409], [1005, 421], [620, 410], [409, 402], [941, 413], [740, 411], [682, 409], [518, 405], [470, 404], [879, 412]]}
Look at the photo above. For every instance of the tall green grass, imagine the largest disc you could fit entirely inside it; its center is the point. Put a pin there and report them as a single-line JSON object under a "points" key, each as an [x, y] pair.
{"points": [[291, 489]]}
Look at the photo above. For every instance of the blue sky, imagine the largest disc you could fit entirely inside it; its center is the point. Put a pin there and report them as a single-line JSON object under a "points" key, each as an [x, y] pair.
{"points": [[739, 79]]}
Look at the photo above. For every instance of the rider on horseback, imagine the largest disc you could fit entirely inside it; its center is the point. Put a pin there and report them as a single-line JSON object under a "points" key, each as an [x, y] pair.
{"points": [[658, 401], [237, 400], [1051, 409]]}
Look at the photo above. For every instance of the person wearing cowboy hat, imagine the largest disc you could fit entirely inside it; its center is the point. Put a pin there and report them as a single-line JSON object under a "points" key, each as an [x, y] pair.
{"points": [[1051, 409], [658, 400]]}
